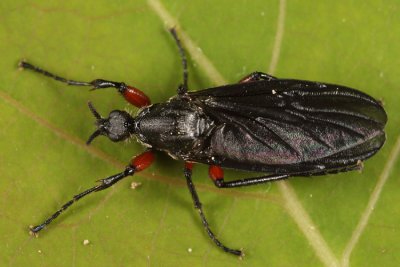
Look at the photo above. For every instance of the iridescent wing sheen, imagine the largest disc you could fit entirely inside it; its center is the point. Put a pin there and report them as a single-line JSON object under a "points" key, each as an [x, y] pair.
{"points": [[290, 125]]}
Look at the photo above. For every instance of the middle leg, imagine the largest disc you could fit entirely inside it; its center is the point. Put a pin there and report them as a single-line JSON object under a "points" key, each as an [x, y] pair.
{"points": [[183, 88], [197, 205]]}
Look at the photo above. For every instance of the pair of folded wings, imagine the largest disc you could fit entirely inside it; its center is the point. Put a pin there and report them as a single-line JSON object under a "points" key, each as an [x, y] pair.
{"points": [[289, 122]]}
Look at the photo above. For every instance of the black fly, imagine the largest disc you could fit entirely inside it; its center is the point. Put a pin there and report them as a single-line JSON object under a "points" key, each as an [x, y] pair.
{"points": [[281, 127]]}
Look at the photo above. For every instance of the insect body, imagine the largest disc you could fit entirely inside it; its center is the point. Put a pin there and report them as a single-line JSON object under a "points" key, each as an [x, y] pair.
{"points": [[277, 126]]}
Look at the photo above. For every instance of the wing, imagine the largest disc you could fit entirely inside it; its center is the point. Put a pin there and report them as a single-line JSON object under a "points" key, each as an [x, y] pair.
{"points": [[290, 124]]}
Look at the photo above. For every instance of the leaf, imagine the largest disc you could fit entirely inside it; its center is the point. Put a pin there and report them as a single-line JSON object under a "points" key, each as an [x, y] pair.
{"points": [[304, 222]]}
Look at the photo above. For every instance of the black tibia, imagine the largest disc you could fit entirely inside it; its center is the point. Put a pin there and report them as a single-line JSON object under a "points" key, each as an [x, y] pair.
{"points": [[257, 76], [100, 84], [276, 177], [197, 205], [104, 183], [96, 84], [183, 88], [26, 65], [250, 181]]}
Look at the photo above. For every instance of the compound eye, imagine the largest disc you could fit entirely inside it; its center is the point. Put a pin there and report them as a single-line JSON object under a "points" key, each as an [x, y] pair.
{"points": [[115, 113]]}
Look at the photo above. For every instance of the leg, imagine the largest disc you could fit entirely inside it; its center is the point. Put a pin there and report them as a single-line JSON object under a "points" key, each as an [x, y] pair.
{"points": [[137, 164], [257, 76], [197, 205], [183, 88], [131, 94], [217, 175]]}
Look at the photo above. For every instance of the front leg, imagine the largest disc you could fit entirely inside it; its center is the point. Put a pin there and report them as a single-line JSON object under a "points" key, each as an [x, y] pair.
{"points": [[131, 94], [137, 164]]}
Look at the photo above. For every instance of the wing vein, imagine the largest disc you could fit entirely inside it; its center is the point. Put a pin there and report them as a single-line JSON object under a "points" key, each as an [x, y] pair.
{"points": [[232, 112]]}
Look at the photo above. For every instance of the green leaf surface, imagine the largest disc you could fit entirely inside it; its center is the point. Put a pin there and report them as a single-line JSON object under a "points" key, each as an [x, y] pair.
{"points": [[319, 221]]}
